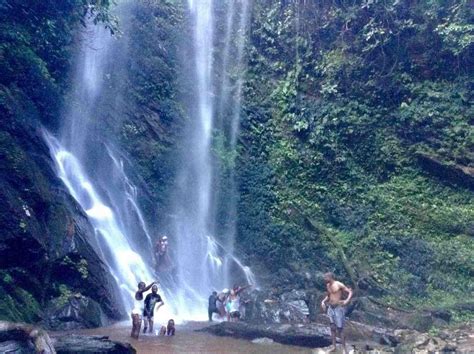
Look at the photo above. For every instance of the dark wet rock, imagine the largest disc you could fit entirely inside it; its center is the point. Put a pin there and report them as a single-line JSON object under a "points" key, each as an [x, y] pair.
{"points": [[47, 242], [77, 312], [447, 170], [90, 344], [308, 335], [415, 341], [16, 347], [266, 307], [23, 338], [357, 331]]}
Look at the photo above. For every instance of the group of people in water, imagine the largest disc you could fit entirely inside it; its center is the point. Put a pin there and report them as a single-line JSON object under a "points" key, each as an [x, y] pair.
{"points": [[227, 304]]}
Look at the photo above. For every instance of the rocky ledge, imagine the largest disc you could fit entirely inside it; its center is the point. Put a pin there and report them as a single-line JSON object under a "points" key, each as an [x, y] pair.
{"points": [[307, 335], [360, 336], [90, 344], [21, 338]]}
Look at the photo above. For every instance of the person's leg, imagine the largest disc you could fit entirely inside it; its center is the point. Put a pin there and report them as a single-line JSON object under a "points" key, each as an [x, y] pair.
{"points": [[339, 320], [132, 334], [340, 332], [136, 324], [333, 336], [209, 313], [150, 320], [145, 323], [332, 320]]}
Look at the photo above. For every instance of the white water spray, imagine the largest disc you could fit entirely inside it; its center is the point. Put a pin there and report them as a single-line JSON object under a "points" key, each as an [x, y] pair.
{"points": [[101, 187], [203, 264]]}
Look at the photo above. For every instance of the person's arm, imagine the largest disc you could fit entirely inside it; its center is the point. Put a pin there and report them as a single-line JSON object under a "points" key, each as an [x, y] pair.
{"points": [[243, 288], [323, 303], [160, 303], [147, 287], [349, 294]]}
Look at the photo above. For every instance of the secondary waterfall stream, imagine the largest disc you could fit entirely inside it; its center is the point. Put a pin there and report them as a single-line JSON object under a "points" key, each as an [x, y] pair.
{"points": [[92, 169]]}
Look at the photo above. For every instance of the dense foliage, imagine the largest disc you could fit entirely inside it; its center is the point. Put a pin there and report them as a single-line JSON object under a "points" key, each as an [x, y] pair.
{"points": [[356, 149], [358, 118], [37, 42]]}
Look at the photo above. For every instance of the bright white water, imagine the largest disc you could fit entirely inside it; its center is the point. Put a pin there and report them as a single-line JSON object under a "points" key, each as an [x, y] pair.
{"points": [[93, 171], [94, 174], [203, 264]]}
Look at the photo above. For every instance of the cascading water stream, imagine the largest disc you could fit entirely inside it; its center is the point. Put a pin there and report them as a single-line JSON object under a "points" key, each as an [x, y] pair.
{"points": [[95, 176], [91, 169], [203, 264]]}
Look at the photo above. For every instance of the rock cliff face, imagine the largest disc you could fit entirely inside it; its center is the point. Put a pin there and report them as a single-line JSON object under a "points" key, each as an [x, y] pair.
{"points": [[46, 246], [47, 253]]}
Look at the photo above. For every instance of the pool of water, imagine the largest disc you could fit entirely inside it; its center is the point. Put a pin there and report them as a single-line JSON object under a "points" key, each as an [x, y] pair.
{"points": [[187, 340]]}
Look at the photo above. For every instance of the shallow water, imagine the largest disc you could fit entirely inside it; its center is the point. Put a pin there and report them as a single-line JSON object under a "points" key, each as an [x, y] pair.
{"points": [[187, 340]]}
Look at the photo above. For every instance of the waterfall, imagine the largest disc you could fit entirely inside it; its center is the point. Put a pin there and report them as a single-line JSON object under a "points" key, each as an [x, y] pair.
{"points": [[92, 169], [93, 172], [204, 264]]}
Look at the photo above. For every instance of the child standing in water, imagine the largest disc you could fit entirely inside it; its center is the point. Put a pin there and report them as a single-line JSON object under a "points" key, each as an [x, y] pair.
{"points": [[138, 308]]}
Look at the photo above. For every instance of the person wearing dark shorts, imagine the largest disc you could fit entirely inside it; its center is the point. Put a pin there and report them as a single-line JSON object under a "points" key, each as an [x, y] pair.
{"points": [[151, 300]]}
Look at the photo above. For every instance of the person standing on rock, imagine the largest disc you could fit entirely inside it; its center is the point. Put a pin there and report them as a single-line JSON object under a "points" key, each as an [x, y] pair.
{"points": [[151, 300], [138, 308], [335, 306]]}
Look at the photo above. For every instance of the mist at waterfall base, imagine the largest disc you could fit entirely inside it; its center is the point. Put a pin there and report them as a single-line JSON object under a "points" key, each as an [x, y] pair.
{"points": [[93, 170]]}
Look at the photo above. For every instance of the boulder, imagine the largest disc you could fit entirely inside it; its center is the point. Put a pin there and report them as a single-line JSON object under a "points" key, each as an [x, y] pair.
{"points": [[90, 344], [23, 338], [77, 312], [265, 307], [447, 170], [308, 335]]}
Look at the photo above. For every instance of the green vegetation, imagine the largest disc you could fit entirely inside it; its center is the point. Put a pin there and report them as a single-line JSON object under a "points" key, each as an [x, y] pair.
{"points": [[356, 150], [341, 100], [37, 41]]}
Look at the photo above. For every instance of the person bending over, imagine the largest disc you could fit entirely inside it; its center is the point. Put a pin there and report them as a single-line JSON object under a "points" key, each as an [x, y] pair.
{"points": [[335, 306], [151, 300], [138, 308]]}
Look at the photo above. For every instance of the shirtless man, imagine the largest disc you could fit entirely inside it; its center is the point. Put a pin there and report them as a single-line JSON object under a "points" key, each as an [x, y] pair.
{"points": [[335, 306]]}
